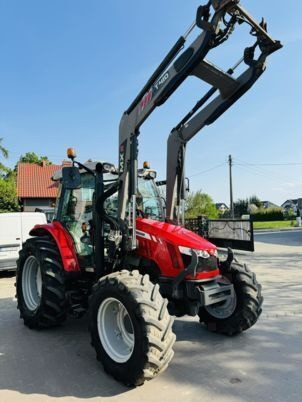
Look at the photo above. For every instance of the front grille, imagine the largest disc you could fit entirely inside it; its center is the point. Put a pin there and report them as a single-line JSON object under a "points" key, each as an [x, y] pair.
{"points": [[204, 264], [207, 264]]}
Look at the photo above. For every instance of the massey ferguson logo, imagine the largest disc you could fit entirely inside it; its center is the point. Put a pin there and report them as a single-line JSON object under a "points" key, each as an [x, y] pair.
{"points": [[146, 99], [156, 87]]}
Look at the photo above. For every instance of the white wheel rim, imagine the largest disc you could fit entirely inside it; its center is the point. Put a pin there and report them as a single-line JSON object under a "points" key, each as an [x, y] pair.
{"points": [[115, 330], [32, 283], [227, 308]]}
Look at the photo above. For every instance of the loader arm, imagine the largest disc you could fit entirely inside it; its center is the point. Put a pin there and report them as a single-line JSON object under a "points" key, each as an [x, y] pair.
{"points": [[204, 113], [216, 20]]}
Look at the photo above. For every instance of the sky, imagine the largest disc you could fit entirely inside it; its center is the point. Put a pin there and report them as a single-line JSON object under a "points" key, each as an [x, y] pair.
{"points": [[69, 69]]}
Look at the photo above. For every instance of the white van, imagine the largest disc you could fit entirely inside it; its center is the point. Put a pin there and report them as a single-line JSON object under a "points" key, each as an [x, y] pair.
{"points": [[14, 230]]}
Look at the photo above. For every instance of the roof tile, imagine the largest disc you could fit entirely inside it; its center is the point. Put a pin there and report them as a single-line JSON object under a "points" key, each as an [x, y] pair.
{"points": [[34, 181]]}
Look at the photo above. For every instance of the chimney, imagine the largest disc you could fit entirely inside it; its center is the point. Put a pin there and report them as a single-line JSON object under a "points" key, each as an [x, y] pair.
{"points": [[66, 163]]}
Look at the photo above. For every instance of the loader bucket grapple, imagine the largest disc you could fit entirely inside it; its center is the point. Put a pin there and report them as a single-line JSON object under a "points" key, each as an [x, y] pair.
{"points": [[116, 251]]}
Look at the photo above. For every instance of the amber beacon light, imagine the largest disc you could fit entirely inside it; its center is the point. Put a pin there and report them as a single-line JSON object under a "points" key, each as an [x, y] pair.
{"points": [[71, 153]]}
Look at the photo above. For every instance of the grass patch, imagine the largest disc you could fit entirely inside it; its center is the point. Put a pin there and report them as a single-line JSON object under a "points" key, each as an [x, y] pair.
{"points": [[274, 225]]}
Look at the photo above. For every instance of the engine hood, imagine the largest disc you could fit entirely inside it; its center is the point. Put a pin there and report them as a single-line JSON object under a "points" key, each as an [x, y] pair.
{"points": [[176, 235]]}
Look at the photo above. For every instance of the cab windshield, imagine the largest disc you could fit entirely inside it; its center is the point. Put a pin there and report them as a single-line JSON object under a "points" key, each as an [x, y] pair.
{"points": [[149, 198], [148, 201]]}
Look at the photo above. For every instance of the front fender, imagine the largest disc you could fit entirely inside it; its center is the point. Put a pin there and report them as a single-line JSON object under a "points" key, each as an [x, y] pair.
{"points": [[64, 243]]}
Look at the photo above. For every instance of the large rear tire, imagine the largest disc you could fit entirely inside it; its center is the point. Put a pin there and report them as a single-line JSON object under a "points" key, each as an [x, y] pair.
{"points": [[131, 329], [242, 310], [40, 284]]}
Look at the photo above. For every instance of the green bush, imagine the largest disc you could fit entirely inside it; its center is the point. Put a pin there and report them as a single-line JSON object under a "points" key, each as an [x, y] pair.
{"points": [[268, 215], [289, 214], [199, 204], [8, 196]]}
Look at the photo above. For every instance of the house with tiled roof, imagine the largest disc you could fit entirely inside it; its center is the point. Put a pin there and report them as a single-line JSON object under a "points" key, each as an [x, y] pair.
{"points": [[35, 187]]}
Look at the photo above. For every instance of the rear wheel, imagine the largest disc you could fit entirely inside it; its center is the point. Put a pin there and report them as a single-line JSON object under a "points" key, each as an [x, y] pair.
{"points": [[131, 329], [242, 310], [40, 284]]}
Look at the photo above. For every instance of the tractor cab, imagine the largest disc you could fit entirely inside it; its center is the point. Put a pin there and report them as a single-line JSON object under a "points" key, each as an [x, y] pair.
{"points": [[74, 208]]}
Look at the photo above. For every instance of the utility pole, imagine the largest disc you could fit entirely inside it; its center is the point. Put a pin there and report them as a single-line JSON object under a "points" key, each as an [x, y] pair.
{"points": [[231, 187]]}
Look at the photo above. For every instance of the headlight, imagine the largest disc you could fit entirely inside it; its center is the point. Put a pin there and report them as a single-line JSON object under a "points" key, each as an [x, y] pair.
{"points": [[214, 253], [188, 251]]}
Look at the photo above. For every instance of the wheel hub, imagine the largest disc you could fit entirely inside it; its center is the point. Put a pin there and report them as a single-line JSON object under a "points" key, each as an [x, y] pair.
{"points": [[115, 330], [226, 308], [32, 283]]}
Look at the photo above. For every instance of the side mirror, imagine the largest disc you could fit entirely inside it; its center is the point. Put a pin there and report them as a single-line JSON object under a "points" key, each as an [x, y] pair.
{"points": [[187, 186], [71, 177]]}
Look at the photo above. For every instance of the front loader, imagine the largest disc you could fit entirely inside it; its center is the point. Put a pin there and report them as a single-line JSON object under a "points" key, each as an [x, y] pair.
{"points": [[115, 251]]}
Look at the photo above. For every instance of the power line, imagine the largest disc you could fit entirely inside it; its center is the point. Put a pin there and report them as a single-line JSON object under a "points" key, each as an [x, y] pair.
{"points": [[208, 170], [274, 164], [257, 173], [272, 175]]}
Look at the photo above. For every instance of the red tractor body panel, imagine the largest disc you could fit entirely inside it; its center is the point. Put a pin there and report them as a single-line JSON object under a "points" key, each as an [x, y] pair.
{"points": [[159, 241], [64, 242]]}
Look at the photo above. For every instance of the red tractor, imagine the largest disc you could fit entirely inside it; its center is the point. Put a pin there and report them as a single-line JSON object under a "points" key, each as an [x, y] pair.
{"points": [[117, 251]]}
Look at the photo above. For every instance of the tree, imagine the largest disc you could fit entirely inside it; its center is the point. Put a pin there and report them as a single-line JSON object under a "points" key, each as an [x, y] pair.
{"points": [[8, 190], [247, 206], [241, 207], [8, 195], [4, 153], [32, 157], [256, 201], [3, 150], [289, 214], [199, 204]]}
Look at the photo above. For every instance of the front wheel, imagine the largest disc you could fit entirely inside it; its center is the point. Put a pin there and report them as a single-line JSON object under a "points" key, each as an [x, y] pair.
{"points": [[131, 329], [40, 284], [241, 310]]}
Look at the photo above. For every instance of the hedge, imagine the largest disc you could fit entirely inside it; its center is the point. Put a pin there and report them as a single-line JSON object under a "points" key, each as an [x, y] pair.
{"points": [[268, 215]]}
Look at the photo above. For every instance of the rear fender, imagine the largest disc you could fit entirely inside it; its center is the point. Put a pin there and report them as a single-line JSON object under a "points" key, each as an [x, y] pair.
{"points": [[64, 243]]}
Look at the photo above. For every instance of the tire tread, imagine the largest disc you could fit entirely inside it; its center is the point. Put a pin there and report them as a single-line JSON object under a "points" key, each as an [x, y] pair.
{"points": [[249, 307], [151, 311], [52, 310]]}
